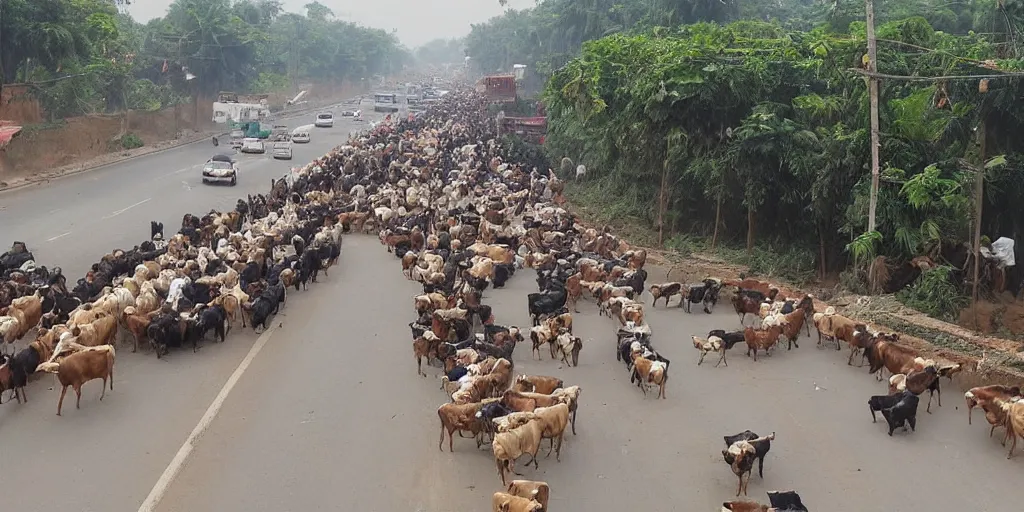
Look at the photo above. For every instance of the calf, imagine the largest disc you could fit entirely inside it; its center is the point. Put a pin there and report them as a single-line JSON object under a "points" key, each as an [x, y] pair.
{"points": [[81, 367], [903, 413]]}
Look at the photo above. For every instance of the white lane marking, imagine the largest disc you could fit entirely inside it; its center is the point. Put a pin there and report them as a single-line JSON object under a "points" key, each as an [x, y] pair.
{"points": [[51, 212], [122, 210], [62, 235], [174, 468], [187, 186]]}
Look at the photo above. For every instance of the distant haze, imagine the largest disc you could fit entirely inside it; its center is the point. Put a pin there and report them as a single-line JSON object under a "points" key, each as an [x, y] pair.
{"points": [[417, 21]]}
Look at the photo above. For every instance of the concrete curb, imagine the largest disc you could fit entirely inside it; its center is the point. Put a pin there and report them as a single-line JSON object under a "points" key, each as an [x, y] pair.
{"points": [[206, 136]]}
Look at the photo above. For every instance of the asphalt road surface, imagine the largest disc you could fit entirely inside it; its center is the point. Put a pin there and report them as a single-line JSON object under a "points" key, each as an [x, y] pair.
{"points": [[331, 414], [72, 222]]}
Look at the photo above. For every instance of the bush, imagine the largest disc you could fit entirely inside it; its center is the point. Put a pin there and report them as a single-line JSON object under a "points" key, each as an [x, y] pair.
{"points": [[131, 141], [935, 294]]}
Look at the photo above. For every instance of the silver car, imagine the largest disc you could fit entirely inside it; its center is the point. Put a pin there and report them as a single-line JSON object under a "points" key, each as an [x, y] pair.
{"points": [[283, 150]]}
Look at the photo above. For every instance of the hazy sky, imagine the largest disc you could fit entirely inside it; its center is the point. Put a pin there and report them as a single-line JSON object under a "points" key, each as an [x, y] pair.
{"points": [[417, 21]]}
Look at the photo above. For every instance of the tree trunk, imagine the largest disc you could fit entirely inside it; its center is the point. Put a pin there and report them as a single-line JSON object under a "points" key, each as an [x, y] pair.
{"points": [[661, 205], [750, 230], [718, 220], [979, 189], [821, 253]]}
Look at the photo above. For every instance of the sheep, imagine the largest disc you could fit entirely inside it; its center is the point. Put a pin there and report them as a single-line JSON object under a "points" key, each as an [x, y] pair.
{"points": [[537, 491], [509, 446], [504, 502], [712, 344], [81, 367]]}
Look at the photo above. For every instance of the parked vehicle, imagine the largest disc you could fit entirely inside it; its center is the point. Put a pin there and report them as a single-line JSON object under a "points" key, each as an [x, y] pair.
{"points": [[221, 169], [324, 120]]}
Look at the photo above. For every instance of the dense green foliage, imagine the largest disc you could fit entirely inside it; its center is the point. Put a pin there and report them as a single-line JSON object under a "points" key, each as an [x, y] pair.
{"points": [[773, 123], [84, 56]]}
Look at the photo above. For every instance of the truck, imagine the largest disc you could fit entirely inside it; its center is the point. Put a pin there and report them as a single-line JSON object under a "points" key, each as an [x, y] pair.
{"points": [[498, 88], [385, 102]]}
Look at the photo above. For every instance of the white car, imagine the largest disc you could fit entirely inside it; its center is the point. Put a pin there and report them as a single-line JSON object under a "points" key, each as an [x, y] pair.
{"points": [[220, 169], [283, 150], [324, 120], [253, 145]]}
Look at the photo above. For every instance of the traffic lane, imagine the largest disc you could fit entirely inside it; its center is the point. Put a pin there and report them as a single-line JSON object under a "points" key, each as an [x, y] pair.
{"points": [[107, 455], [375, 417], [76, 236], [331, 411], [97, 192]]}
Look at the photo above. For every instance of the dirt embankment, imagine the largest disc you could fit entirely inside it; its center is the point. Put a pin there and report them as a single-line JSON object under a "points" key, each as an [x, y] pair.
{"points": [[985, 359], [46, 150]]}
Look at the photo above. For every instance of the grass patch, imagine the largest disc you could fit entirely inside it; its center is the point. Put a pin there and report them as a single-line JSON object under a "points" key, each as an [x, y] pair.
{"points": [[935, 295], [131, 141], [627, 210]]}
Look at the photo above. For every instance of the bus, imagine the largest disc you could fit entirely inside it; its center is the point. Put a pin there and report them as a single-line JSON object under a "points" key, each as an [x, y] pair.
{"points": [[385, 102]]}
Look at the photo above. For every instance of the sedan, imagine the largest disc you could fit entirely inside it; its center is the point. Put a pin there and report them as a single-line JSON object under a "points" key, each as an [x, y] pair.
{"points": [[324, 120], [253, 145], [220, 169]]}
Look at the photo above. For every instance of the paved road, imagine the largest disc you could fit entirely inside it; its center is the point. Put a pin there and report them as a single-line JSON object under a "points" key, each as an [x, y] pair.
{"points": [[332, 412], [74, 221], [108, 455]]}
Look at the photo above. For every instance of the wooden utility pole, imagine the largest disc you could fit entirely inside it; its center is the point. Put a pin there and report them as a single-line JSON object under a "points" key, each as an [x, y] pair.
{"points": [[869, 8], [979, 189]]}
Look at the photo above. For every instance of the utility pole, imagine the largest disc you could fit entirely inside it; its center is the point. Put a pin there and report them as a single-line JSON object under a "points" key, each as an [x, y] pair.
{"points": [[869, 8]]}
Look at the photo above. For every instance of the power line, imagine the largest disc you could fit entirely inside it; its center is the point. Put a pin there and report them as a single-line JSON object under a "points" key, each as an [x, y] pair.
{"points": [[906, 78]]}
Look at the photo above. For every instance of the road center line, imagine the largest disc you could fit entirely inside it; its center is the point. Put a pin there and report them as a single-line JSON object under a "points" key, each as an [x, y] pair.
{"points": [[174, 468], [122, 210], [62, 235]]}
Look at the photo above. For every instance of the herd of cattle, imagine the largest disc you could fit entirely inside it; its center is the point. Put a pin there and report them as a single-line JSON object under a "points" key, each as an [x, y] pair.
{"points": [[460, 219]]}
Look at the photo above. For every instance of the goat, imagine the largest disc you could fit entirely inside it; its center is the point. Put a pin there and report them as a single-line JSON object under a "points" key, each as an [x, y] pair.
{"points": [[81, 367], [712, 344]]}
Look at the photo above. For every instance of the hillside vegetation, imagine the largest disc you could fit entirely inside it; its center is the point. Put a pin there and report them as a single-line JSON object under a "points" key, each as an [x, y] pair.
{"points": [[84, 56]]}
